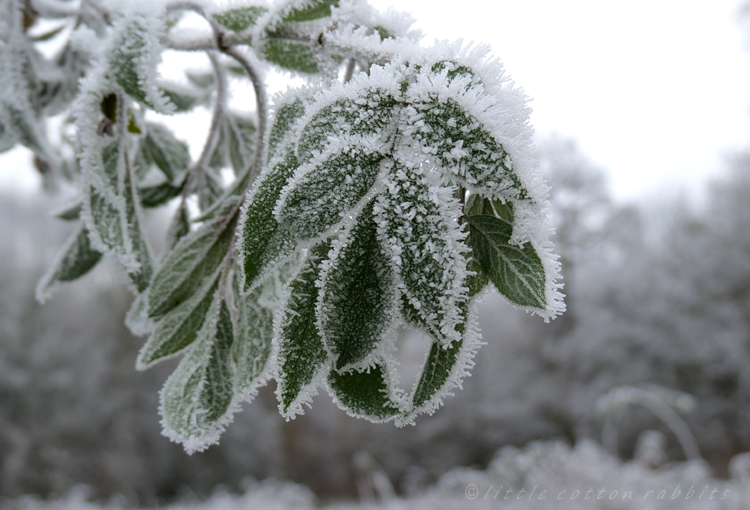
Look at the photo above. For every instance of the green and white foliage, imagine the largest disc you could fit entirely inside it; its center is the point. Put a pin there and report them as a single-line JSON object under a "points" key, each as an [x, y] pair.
{"points": [[388, 192]]}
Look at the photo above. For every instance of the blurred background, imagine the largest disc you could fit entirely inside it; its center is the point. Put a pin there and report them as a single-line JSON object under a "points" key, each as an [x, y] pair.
{"points": [[642, 121]]}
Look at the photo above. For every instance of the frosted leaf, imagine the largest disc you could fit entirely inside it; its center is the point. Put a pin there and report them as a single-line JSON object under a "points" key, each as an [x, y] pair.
{"points": [[158, 195], [365, 394], [443, 369], [209, 187], [288, 111], [8, 136], [18, 115], [195, 257], [326, 190], [110, 204], [456, 141], [291, 55], [184, 98], [252, 347], [71, 212], [516, 271], [137, 319], [358, 296], [170, 155], [477, 281], [307, 10], [240, 132], [141, 252], [25, 128], [302, 359], [196, 399], [239, 19], [179, 226], [75, 260], [263, 244], [418, 226], [179, 328], [134, 54], [369, 114], [201, 80]]}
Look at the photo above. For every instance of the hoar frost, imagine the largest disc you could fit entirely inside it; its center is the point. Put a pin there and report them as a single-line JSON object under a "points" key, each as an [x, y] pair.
{"points": [[390, 191]]}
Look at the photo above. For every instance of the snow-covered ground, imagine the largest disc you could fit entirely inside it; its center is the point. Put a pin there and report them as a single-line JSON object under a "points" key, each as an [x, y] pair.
{"points": [[543, 475]]}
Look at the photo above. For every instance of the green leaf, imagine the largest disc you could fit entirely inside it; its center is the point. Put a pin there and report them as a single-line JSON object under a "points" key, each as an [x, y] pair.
{"points": [[371, 115], [311, 10], [71, 213], [202, 80], [463, 146], [291, 55], [131, 57], [197, 397], [160, 194], [302, 355], [437, 369], [479, 205], [76, 259], [358, 295], [179, 227], [241, 135], [27, 129], [171, 155], [516, 271], [8, 136], [241, 18], [328, 192], [263, 245], [383, 32], [479, 280], [455, 70], [183, 98], [219, 390], [195, 257], [285, 118], [210, 189], [252, 349], [137, 319], [142, 276], [424, 238], [179, 328], [364, 393]]}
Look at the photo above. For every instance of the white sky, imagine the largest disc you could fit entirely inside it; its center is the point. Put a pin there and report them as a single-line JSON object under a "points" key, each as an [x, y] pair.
{"points": [[655, 91]]}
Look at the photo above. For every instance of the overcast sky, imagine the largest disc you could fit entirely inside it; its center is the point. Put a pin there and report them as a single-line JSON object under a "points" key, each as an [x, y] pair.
{"points": [[655, 91]]}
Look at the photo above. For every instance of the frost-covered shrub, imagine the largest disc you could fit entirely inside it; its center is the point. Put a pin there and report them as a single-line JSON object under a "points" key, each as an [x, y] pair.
{"points": [[388, 191]]}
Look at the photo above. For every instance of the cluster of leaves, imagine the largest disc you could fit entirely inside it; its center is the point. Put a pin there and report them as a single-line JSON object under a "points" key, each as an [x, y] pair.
{"points": [[390, 198]]}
